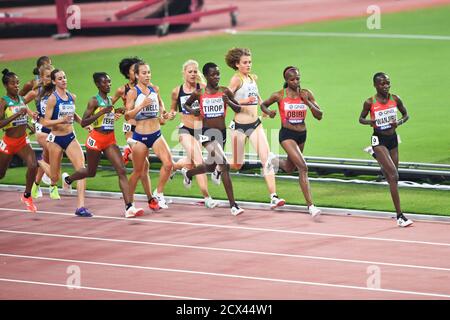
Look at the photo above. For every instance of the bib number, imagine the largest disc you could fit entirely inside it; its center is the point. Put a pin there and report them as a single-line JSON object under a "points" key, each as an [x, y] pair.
{"points": [[203, 138], [38, 127], [51, 137], [232, 125], [91, 142], [375, 141], [126, 127], [2, 145]]}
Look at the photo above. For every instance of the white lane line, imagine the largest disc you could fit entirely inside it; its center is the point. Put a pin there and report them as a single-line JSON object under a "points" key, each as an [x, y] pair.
{"points": [[342, 35], [100, 289], [234, 276], [263, 253], [206, 225]]}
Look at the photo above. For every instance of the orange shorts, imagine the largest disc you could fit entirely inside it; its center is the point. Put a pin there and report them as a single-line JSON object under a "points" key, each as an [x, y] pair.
{"points": [[99, 141], [11, 146]]}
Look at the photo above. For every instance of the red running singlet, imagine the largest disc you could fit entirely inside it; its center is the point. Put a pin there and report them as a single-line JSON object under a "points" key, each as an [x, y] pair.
{"points": [[212, 105], [292, 110], [383, 114]]}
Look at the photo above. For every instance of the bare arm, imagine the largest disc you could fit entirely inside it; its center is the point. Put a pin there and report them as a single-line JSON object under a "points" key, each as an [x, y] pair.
{"points": [[401, 107], [89, 117], [365, 111], [174, 99], [131, 109], [229, 99], [27, 87], [275, 97], [194, 96], [164, 115], [308, 97], [119, 94], [30, 96]]}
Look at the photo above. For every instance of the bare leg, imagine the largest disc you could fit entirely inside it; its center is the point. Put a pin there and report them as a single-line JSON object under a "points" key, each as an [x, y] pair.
{"points": [[390, 172], [76, 156], [296, 158]]}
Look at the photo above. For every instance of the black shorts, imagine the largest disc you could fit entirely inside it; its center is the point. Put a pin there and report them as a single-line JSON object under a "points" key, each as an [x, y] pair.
{"points": [[193, 132], [245, 128], [298, 136], [390, 142], [213, 134]]}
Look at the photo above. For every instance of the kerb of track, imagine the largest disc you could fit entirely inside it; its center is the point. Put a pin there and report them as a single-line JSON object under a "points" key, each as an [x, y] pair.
{"points": [[251, 205]]}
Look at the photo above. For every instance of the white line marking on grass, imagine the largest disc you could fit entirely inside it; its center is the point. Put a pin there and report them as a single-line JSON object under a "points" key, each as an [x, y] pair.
{"points": [[206, 225], [228, 250], [320, 284], [342, 35], [99, 289]]}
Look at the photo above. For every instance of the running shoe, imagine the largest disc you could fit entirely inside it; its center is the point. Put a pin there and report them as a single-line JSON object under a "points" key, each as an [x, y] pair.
{"points": [[215, 176], [46, 179], [125, 155], [161, 200], [276, 202], [186, 181], [66, 187], [314, 211], [83, 212], [134, 212], [29, 203], [403, 222], [210, 203], [36, 191], [236, 210], [54, 194], [153, 204]]}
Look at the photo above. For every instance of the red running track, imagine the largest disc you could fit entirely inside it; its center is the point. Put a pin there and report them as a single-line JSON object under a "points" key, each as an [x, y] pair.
{"points": [[190, 252]]}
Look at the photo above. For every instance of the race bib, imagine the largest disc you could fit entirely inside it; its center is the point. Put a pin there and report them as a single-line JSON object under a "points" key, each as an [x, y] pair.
{"points": [[126, 127], [253, 92], [38, 127], [213, 107], [149, 111], [295, 113], [67, 109], [51, 137], [194, 105], [108, 121], [375, 141], [232, 125], [91, 142], [203, 138], [2, 145], [21, 120], [383, 118]]}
